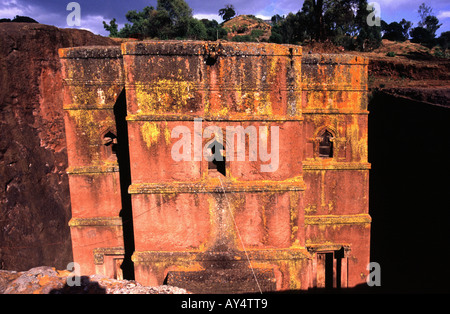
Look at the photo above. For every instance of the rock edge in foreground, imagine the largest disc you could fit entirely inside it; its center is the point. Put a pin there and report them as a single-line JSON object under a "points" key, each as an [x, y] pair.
{"points": [[48, 280]]}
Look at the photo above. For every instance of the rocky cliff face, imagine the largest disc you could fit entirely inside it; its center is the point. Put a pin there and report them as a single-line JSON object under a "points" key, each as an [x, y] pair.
{"points": [[34, 192]]}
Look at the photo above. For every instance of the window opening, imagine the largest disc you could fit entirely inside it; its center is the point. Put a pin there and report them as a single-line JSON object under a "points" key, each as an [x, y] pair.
{"points": [[110, 141], [218, 161], [329, 269], [326, 145]]}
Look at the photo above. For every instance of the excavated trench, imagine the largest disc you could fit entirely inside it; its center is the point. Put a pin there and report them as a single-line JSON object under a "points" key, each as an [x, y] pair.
{"points": [[409, 153]]}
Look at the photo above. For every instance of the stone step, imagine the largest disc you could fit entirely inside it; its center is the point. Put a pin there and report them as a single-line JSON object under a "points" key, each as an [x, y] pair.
{"points": [[224, 280]]}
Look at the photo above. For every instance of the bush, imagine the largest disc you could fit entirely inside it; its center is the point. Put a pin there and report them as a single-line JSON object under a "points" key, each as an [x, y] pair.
{"points": [[242, 29], [439, 53], [390, 54], [257, 33], [196, 30], [242, 38]]}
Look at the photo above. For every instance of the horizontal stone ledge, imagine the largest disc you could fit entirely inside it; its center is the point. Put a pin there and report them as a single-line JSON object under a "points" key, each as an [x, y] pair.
{"points": [[99, 253], [233, 118], [318, 165], [338, 219], [90, 52], [90, 107], [201, 86], [96, 83], [86, 170], [328, 246], [211, 256], [204, 48], [96, 222], [333, 59], [334, 111], [320, 88], [216, 187]]}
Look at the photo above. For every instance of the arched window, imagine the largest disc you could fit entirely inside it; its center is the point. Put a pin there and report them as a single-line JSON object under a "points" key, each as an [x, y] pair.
{"points": [[326, 145], [218, 162], [110, 142]]}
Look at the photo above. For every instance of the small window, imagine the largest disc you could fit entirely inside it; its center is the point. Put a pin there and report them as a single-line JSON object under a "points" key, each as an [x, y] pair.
{"points": [[218, 161], [326, 145], [110, 143]]}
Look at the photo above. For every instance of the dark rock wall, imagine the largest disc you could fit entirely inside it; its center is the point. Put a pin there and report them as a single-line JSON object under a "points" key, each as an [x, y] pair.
{"points": [[34, 191], [409, 193]]}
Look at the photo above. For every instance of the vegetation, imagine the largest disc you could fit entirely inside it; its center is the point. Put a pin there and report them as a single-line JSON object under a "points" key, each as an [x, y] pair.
{"points": [[396, 31], [171, 19], [227, 13], [19, 19], [425, 32], [444, 42], [342, 22], [247, 28]]}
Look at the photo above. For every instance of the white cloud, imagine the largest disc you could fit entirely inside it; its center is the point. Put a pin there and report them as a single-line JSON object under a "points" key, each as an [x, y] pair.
{"points": [[10, 8], [209, 17], [443, 14], [10, 12], [92, 23], [263, 17]]}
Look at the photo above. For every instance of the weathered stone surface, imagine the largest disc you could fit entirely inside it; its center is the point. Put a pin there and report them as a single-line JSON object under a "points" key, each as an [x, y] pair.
{"points": [[48, 280], [34, 192], [301, 219]]}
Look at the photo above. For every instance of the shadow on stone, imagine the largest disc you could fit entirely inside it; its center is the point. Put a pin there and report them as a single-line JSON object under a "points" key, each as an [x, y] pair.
{"points": [[85, 286]]}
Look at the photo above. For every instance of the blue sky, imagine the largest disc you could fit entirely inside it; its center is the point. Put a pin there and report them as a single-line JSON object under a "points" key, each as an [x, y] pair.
{"points": [[53, 12]]}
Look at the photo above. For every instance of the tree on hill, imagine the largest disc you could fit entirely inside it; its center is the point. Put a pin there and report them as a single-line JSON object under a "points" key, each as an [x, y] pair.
{"points": [[425, 33], [228, 12], [368, 36], [171, 19], [112, 28], [424, 11], [196, 30], [213, 30], [289, 29], [444, 41], [179, 14], [396, 31], [344, 22], [19, 19]]}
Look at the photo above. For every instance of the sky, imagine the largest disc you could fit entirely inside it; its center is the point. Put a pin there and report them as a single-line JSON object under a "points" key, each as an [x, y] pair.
{"points": [[93, 13]]}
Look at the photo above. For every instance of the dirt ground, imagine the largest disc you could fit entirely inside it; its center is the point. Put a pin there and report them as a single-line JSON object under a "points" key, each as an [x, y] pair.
{"points": [[411, 66]]}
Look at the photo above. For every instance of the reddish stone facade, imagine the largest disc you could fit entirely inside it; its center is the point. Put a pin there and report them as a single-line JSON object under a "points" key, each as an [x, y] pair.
{"points": [[241, 224]]}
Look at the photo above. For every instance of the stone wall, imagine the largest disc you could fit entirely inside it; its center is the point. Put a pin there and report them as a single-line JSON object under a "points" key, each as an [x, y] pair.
{"points": [[34, 192]]}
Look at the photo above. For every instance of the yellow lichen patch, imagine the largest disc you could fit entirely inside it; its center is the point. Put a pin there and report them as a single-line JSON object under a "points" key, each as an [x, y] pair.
{"points": [[264, 106], [88, 124], [358, 141], [310, 209], [223, 111], [294, 268], [150, 133], [294, 198], [167, 133], [165, 95], [102, 96], [85, 121]]}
